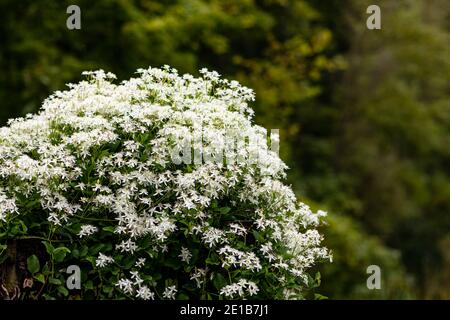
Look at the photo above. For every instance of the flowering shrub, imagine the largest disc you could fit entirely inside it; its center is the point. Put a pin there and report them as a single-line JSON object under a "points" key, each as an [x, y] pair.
{"points": [[95, 178]]}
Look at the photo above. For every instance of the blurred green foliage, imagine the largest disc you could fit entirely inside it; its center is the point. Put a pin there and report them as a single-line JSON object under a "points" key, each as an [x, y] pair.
{"points": [[364, 114], [390, 154], [354, 251]]}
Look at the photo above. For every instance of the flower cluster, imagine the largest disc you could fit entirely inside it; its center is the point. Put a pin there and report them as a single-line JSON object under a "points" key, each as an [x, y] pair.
{"points": [[240, 289], [95, 168]]}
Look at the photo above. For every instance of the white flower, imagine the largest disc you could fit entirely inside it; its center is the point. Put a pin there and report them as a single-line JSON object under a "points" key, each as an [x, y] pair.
{"points": [[237, 229], [87, 230], [7, 205], [136, 277], [54, 219], [198, 276], [140, 262], [252, 288], [103, 260], [213, 236], [127, 246], [145, 293], [237, 258], [185, 255], [170, 292], [125, 285], [240, 289]]}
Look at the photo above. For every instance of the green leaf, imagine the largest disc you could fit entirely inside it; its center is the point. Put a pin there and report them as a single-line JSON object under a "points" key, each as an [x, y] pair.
{"points": [[107, 289], [92, 260], [33, 264], [89, 285], [96, 249], [76, 253], [257, 236], [172, 263], [84, 251], [219, 281], [182, 296], [63, 291], [54, 281], [23, 226], [60, 253], [213, 259], [46, 269], [49, 247], [40, 277], [318, 278], [318, 296], [109, 229], [225, 210]]}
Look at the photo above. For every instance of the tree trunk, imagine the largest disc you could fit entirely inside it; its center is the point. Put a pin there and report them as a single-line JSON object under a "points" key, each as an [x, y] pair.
{"points": [[15, 280]]}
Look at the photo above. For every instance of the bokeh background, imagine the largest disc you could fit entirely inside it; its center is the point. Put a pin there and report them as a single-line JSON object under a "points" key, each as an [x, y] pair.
{"points": [[364, 114]]}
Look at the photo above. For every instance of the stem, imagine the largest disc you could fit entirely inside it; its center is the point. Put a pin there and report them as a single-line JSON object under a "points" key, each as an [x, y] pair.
{"points": [[41, 238]]}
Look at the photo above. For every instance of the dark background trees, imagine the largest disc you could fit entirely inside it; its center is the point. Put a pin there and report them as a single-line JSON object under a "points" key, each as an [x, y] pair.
{"points": [[364, 114]]}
